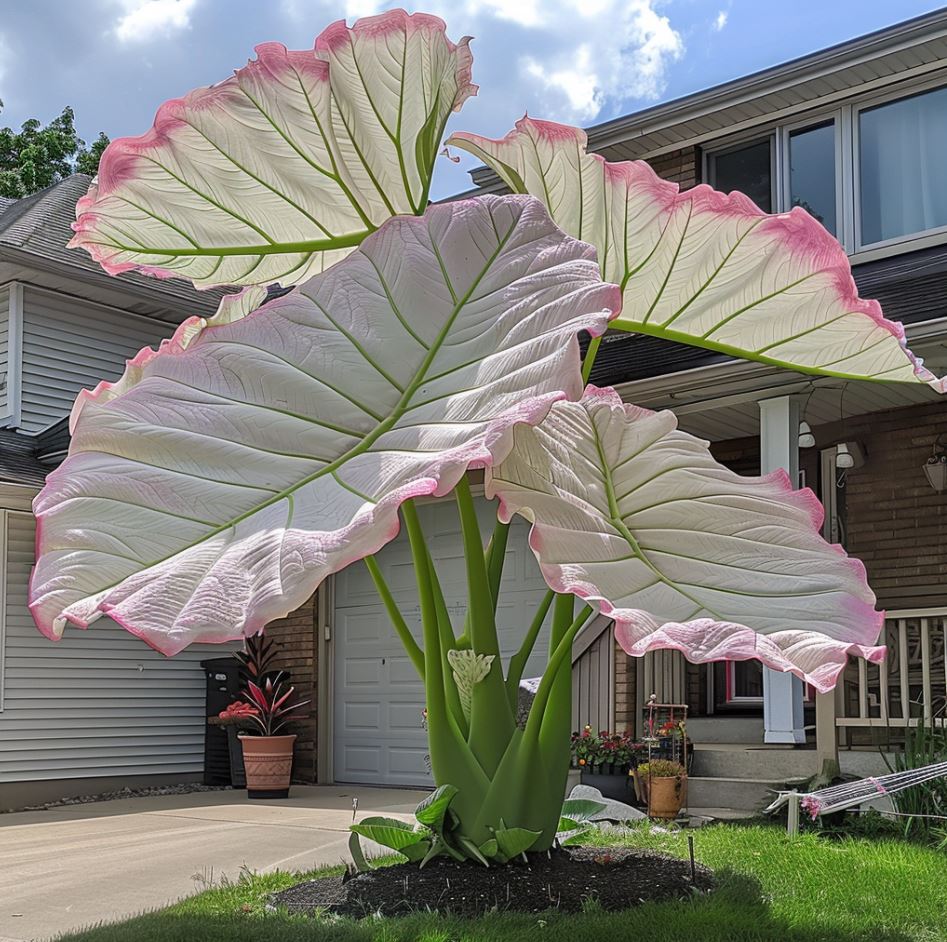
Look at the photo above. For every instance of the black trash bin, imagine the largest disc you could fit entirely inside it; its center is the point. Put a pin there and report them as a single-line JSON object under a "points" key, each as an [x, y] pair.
{"points": [[223, 757]]}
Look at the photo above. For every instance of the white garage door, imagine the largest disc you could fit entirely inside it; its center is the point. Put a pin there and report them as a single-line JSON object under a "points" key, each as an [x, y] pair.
{"points": [[378, 737]]}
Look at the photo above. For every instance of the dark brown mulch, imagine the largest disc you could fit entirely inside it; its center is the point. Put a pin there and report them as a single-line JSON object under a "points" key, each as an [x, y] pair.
{"points": [[616, 878]]}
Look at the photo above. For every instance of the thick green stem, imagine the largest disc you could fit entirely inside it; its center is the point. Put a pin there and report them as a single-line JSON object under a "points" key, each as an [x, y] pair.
{"points": [[495, 558], [451, 758], [559, 708], [561, 653], [447, 641], [514, 673], [589, 360], [491, 719], [400, 626]]}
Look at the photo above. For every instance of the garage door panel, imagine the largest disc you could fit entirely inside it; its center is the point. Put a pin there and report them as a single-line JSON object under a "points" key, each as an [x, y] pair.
{"points": [[371, 667], [362, 716]]}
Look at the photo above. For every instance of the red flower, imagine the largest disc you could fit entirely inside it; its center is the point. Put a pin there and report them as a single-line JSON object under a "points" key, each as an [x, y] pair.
{"points": [[238, 711]]}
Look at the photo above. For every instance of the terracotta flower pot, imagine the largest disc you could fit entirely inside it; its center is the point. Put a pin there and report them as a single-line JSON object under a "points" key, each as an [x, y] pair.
{"points": [[268, 761], [665, 795]]}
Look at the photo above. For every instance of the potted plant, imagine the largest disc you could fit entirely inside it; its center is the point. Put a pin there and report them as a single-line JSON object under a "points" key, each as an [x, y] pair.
{"points": [[606, 761], [268, 700], [662, 785]]}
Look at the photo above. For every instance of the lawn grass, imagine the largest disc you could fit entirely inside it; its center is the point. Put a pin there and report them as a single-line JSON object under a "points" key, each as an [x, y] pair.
{"points": [[813, 889]]}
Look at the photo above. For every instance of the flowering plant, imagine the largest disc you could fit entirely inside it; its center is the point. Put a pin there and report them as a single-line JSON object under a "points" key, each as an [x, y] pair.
{"points": [[238, 710], [618, 750], [227, 474]]}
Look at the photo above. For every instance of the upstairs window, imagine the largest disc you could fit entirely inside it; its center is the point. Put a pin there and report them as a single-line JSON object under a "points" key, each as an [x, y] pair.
{"points": [[812, 172], [873, 172], [902, 167], [747, 168]]}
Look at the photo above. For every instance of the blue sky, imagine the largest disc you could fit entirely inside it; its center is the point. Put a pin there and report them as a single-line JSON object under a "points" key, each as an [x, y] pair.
{"points": [[581, 61]]}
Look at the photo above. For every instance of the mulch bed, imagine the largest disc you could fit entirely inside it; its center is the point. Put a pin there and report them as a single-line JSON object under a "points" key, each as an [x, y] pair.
{"points": [[616, 878]]}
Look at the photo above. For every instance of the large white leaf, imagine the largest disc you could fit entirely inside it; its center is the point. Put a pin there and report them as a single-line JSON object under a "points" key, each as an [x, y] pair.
{"points": [[706, 268], [637, 517], [237, 466], [281, 169]]}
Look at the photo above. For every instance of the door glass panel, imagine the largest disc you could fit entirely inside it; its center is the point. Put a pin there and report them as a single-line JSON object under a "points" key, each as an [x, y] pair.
{"points": [[747, 169], [901, 160], [812, 172]]}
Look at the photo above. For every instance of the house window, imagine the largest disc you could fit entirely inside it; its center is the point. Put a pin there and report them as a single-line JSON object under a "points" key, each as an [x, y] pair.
{"points": [[902, 187], [747, 168], [812, 172], [871, 172]]}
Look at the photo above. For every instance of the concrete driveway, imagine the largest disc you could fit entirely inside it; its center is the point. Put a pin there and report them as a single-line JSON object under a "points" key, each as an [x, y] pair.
{"points": [[68, 867]]}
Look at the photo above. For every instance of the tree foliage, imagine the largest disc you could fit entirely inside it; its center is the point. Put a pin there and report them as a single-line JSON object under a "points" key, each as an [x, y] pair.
{"points": [[37, 156]]}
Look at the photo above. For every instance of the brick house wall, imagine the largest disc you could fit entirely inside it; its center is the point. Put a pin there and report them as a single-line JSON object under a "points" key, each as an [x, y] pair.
{"points": [[894, 520]]}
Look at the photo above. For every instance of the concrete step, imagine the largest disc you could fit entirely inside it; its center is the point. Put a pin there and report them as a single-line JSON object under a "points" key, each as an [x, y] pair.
{"points": [[735, 794], [724, 729], [739, 761]]}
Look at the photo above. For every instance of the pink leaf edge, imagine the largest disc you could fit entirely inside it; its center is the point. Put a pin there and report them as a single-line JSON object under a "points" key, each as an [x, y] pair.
{"points": [[704, 640], [121, 160], [371, 529], [802, 235]]}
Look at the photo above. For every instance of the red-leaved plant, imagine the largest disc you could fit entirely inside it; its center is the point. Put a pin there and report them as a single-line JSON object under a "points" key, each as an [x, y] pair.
{"points": [[274, 702], [268, 696]]}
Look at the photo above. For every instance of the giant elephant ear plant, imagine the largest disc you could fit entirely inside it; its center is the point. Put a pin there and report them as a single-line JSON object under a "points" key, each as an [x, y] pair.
{"points": [[227, 474]]}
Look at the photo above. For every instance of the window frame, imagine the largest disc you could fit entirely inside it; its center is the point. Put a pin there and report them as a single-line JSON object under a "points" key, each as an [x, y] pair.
{"points": [[856, 109], [739, 142], [848, 211], [784, 136]]}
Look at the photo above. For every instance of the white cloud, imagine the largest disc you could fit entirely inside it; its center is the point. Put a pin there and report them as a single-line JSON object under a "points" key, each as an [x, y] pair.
{"points": [[144, 19], [721, 20], [564, 59], [4, 57]]}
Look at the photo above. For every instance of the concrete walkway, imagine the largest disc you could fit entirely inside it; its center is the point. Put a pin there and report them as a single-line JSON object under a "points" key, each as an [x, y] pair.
{"points": [[70, 867]]}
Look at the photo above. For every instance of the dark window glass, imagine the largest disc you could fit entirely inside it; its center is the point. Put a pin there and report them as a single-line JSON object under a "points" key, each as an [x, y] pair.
{"points": [[812, 172], [901, 167], [747, 170]]}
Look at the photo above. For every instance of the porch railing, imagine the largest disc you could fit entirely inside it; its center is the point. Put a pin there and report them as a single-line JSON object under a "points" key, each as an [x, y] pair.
{"points": [[909, 687]]}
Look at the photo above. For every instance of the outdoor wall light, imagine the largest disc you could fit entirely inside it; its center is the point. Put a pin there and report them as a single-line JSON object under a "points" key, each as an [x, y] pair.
{"points": [[936, 466], [806, 438], [849, 455]]}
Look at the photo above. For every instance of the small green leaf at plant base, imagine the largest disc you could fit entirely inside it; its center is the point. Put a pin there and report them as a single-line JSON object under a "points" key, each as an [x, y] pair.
{"points": [[489, 848], [567, 824], [514, 841], [416, 852], [581, 809], [472, 850], [390, 832], [433, 809]]}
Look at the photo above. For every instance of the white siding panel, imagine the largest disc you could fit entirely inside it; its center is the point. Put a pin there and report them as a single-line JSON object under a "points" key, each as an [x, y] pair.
{"points": [[98, 703], [69, 345], [4, 349]]}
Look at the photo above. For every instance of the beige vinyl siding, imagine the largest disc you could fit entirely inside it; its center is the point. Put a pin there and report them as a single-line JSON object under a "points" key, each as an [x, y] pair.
{"points": [[69, 345], [4, 351], [97, 703]]}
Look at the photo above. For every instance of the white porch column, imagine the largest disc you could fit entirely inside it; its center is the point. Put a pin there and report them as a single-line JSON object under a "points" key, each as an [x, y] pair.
{"points": [[779, 448]]}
